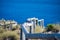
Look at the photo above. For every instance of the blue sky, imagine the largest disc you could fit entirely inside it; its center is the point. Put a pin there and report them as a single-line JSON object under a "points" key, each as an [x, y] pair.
{"points": [[20, 10]]}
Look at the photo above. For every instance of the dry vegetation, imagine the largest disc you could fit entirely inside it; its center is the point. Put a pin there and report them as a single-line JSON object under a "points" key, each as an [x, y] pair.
{"points": [[10, 34], [39, 29]]}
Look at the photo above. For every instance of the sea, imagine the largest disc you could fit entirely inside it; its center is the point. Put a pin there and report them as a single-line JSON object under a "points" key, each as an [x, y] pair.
{"points": [[20, 10]]}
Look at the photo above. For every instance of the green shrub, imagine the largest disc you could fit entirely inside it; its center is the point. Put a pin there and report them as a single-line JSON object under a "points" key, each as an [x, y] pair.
{"points": [[50, 27]]}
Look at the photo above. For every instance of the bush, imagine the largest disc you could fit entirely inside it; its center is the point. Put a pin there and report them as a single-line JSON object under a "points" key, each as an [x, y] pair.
{"points": [[39, 29], [57, 26], [52, 27], [11, 35], [15, 27], [1, 30], [1, 38], [49, 27]]}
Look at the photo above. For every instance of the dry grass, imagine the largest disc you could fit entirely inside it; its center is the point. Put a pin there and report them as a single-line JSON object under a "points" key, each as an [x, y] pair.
{"points": [[39, 29], [57, 26]]}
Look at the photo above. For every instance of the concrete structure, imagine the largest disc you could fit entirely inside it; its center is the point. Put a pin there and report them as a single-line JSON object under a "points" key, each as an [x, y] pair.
{"points": [[36, 22], [41, 22], [31, 35], [7, 23], [2, 21], [29, 26], [43, 36]]}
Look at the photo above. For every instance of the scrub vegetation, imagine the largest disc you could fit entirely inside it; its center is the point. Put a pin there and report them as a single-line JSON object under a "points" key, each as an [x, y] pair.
{"points": [[6, 34]]}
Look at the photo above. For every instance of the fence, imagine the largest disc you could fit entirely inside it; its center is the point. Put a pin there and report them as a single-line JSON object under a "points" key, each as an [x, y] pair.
{"points": [[26, 35]]}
